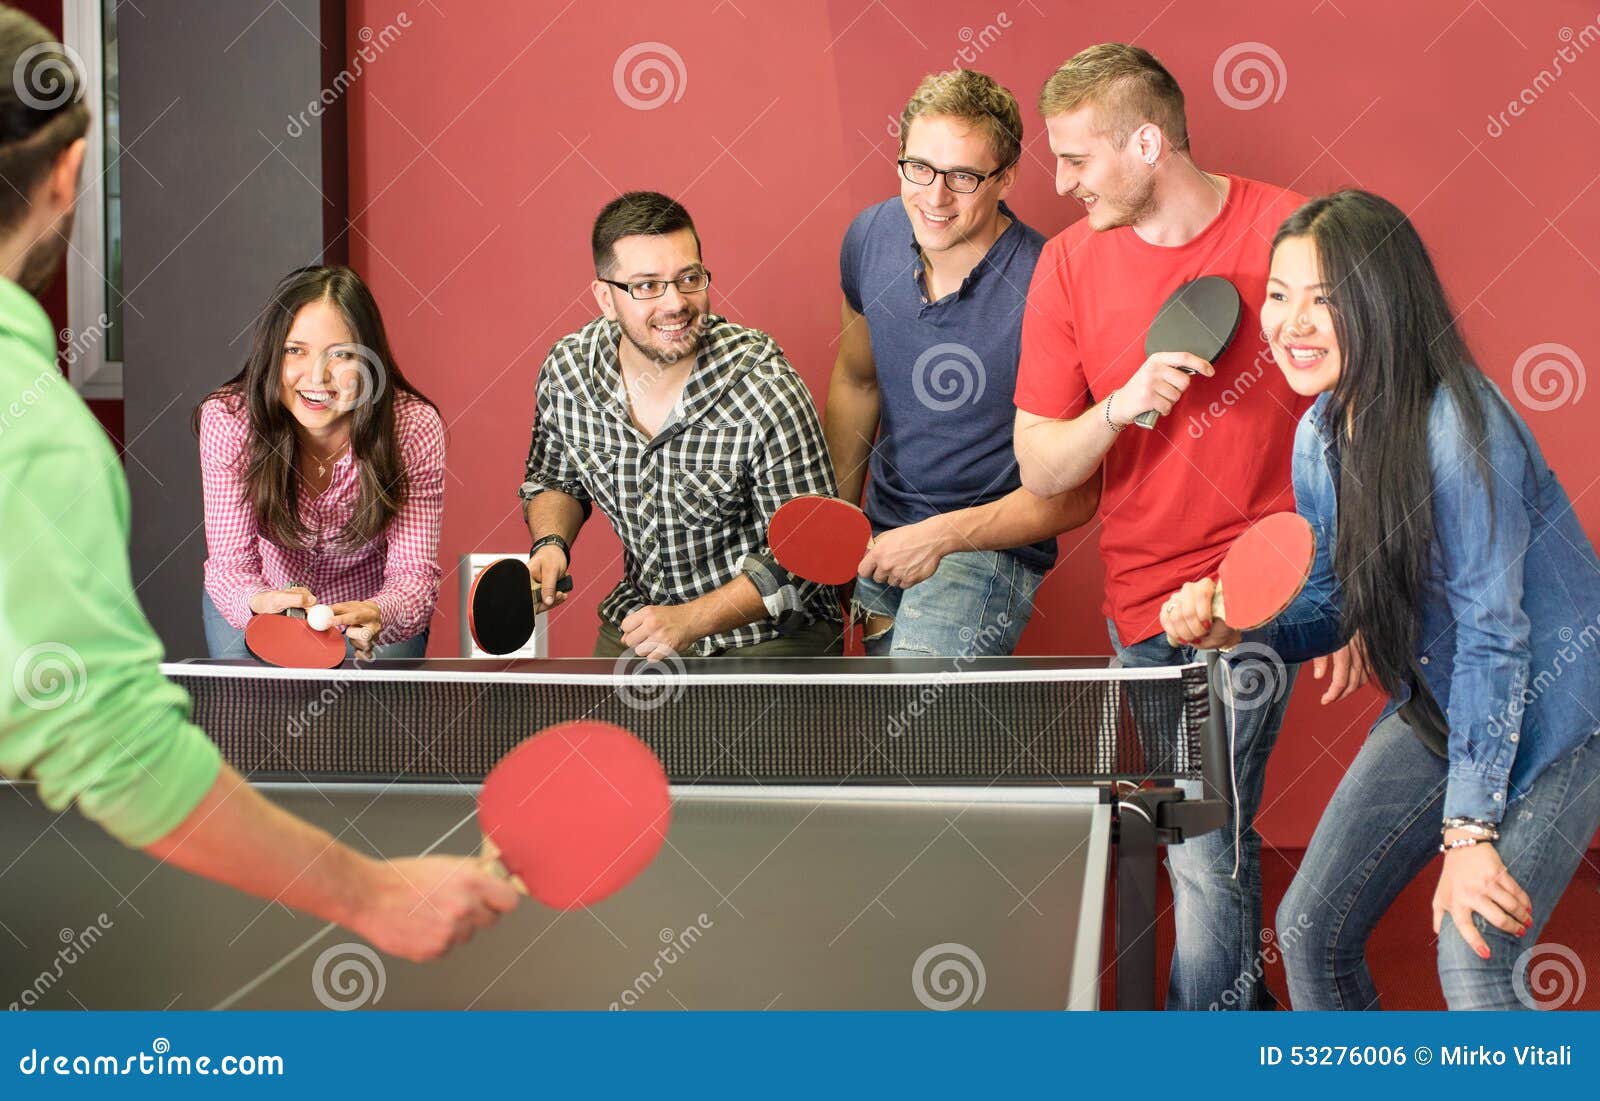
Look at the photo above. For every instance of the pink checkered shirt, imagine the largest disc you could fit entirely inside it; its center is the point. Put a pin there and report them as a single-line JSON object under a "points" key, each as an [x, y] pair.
{"points": [[398, 571]]}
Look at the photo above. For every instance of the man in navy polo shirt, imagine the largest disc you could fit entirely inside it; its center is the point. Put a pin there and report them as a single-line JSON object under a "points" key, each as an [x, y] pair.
{"points": [[934, 283]]}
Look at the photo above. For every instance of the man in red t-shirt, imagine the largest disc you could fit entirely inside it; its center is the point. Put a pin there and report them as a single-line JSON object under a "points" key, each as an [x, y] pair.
{"points": [[1175, 496]]}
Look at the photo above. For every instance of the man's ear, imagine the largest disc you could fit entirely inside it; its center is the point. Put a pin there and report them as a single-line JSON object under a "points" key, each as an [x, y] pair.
{"points": [[602, 298], [62, 183]]}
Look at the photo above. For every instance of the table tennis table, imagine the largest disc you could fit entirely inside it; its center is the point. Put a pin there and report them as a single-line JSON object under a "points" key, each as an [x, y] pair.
{"points": [[847, 833]]}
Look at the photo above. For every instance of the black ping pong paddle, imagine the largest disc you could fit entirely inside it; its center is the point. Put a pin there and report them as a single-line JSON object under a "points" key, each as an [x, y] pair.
{"points": [[504, 605], [1200, 318]]}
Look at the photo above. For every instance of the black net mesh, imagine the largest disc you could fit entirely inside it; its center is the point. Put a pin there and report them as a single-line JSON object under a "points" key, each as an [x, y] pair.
{"points": [[949, 729]]}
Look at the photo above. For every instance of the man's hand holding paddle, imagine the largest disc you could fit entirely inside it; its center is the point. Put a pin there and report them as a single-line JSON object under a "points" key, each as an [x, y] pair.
{"points": [[546, 569], [1157, 385]]}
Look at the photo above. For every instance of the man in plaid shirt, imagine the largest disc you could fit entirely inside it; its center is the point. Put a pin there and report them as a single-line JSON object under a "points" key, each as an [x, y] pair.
{"points": [[688, 431]]}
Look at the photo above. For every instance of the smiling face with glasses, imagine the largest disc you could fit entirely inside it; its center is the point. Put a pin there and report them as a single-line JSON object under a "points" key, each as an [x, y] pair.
{"points": [[951, 184], [657, 291]]}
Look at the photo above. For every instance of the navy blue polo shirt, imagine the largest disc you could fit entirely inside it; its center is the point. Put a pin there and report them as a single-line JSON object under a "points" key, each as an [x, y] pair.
{"points": [[946, 370]]}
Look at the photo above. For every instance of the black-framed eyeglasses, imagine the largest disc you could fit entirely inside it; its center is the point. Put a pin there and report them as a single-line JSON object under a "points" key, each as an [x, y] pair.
{"points": [[690, 282], [959, 180]]}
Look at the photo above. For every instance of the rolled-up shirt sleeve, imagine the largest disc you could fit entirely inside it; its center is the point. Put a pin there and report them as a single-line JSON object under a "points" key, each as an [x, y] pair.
{"points": [[411, 570], [793, 463], [551, 464], [233, 558], [87, 714]]}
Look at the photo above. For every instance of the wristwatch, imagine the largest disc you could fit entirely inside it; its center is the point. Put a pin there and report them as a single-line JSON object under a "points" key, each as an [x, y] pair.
{"points": [[566, 551]]}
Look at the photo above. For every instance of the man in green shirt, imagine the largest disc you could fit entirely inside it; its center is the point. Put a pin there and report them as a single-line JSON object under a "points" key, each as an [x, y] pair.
{"points": [[84, 709]]}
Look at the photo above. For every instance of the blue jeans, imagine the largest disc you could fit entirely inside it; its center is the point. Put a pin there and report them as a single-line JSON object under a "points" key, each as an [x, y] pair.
{"points": [[224, 640], [975, 605], [1381, 830], [1216, 961]]}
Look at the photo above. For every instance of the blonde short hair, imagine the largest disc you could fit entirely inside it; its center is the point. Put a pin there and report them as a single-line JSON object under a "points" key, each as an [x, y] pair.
{"points": [[974, 99], [1126, 85]]}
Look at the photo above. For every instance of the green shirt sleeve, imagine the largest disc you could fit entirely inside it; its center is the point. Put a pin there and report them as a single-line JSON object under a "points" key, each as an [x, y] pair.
{"points": [[87, 713]]}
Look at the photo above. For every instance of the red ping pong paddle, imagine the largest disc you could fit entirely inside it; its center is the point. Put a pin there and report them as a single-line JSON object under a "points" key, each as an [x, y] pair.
{"points": [[574, 813], [820, 539], [289, 641], [504, 604], [1200, 318], [1264, 570]]}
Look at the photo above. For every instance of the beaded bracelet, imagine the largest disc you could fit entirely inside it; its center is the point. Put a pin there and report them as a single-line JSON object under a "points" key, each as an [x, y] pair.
{"points": [[1463, 843], [1109, 422]]}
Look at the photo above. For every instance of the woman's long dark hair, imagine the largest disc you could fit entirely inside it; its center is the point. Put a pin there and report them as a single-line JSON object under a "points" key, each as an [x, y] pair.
{"points": [[267, 466], [1398, 345]]}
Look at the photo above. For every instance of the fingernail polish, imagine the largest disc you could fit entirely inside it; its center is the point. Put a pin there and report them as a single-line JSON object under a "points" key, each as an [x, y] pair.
{"points": [[1522, 932], [1483, 953]]}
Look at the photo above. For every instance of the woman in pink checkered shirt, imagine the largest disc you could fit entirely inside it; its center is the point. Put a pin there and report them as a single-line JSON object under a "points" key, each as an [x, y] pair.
{"points": [[324, 475]]}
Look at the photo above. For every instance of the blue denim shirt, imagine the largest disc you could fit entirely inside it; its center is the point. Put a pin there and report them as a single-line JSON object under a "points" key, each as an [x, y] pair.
{"points": [[1509, 642]]}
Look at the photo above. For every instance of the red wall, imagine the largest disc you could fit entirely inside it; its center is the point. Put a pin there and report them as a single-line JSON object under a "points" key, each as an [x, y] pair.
{"points": [[484, 140]]}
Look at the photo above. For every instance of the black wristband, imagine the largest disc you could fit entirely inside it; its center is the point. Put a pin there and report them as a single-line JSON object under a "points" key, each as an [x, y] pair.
{"points": [[546, 541]]}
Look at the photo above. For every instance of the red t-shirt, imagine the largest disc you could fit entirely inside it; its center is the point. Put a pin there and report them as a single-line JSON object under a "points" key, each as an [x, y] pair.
{"points": [[1177, 495]]}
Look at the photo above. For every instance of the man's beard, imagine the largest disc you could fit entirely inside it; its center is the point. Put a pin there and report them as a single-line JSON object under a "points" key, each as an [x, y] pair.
{"points": [[43, 260], [642, 338], [1132, 205]]}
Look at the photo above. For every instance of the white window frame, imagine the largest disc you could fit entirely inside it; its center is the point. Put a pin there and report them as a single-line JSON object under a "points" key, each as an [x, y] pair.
{"points": [[88, 370]]}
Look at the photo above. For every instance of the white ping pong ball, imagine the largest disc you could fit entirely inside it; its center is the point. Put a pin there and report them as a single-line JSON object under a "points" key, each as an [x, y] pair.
{"points": [[320, 617]]}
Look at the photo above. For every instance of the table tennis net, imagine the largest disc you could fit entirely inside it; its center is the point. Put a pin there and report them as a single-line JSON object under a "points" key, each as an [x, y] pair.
{"points": [[362, 725]]}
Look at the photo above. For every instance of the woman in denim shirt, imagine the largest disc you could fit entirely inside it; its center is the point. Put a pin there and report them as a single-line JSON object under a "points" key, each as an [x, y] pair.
{"points": [[1446, 544]]}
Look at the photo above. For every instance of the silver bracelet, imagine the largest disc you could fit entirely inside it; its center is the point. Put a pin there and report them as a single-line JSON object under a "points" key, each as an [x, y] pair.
{"points": [[1109, 423], [1477, 827], [1464, 843]]}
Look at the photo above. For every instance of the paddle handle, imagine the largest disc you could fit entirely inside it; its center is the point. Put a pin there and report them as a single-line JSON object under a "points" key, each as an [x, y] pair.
{"points": [[1217, 610], [562, 586], [1148, 418], [489, 855]]}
